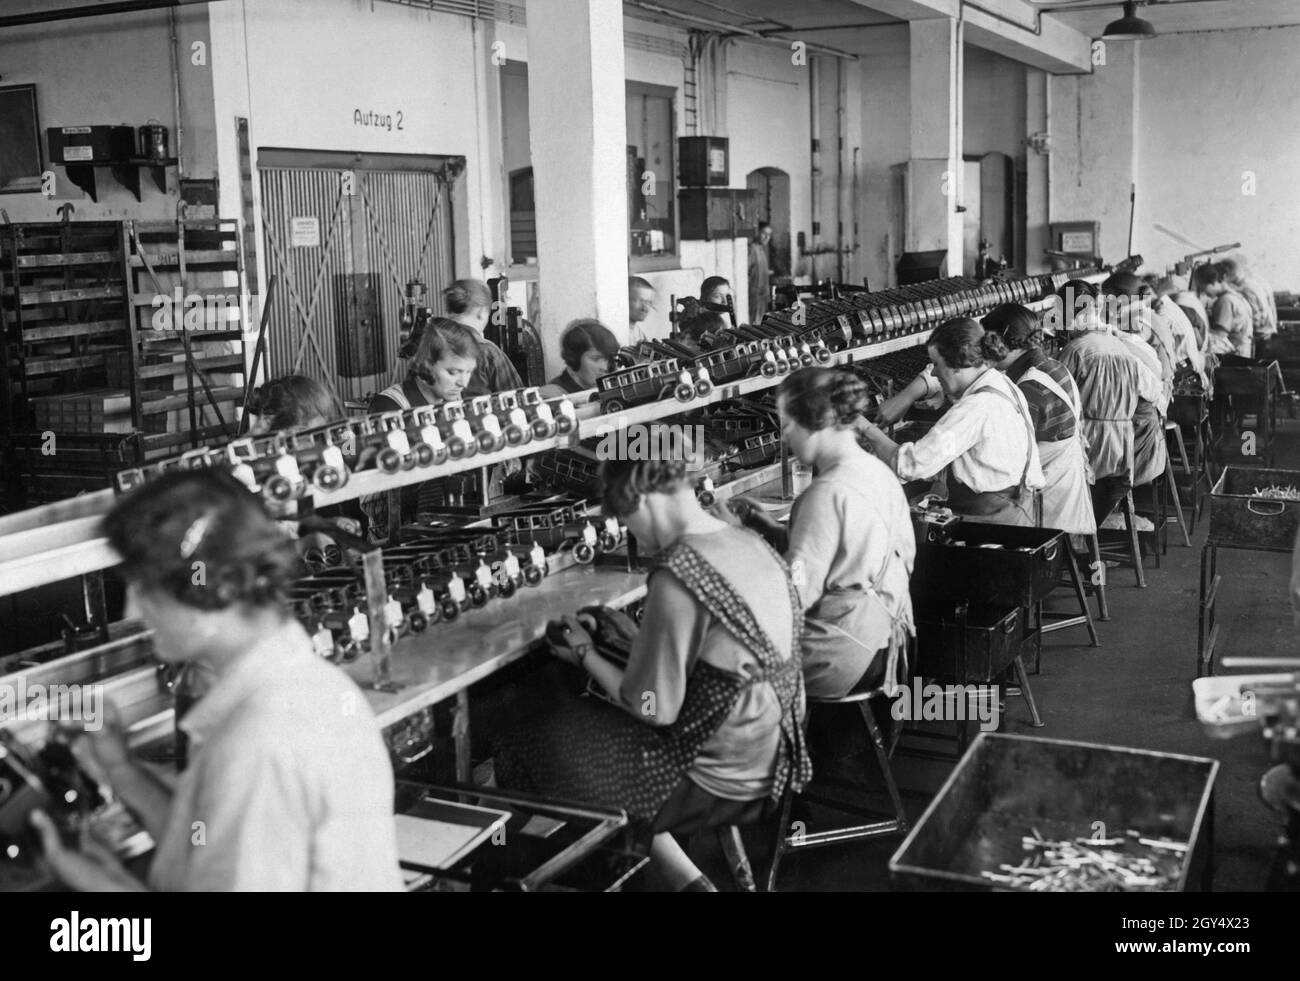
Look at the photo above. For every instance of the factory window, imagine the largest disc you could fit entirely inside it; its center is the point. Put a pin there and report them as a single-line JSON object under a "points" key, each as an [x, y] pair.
{"points": [[651, 172]]}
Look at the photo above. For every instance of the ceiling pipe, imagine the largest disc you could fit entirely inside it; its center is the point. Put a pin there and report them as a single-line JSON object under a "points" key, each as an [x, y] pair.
{"points": [[732, 29], [94, 10]]}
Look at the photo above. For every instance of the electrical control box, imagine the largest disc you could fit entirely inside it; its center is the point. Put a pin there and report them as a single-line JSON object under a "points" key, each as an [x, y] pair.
{"points": [[703, 161], [709, 213]]}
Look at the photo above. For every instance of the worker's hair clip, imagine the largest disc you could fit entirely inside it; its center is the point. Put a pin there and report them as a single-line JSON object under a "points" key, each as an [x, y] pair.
{"points": [[194, 535]]}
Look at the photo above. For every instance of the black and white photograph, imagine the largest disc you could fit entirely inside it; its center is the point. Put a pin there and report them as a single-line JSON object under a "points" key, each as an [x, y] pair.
{"points": [[652, 446]]}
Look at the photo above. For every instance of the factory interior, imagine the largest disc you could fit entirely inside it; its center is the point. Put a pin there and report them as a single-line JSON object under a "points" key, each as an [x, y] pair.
{"points": [[674, 446]]}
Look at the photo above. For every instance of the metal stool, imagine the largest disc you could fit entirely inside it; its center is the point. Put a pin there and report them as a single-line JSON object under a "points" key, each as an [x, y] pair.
{"points": [[1097, 580], [1134, 557], [1060, 621], [875, 829], [1173, 427]]}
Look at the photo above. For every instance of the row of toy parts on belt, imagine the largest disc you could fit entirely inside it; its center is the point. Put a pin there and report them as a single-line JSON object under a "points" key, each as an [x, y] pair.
{"points": [[338, 620], [907, 309], [281, 465]]}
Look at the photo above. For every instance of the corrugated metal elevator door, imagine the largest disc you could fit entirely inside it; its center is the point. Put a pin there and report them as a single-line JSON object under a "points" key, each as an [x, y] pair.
{"points": [[344, 237]]}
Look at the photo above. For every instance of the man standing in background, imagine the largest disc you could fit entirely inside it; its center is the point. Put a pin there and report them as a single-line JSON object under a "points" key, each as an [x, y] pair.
{"points": [[640, 301], [760, 274]]}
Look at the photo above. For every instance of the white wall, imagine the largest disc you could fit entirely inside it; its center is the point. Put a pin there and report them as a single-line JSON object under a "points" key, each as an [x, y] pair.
{"points": [[1095, 146], [994, 104], [885, 85], [312, 64], [1185, 117], [111, 71], [1214, 106]]}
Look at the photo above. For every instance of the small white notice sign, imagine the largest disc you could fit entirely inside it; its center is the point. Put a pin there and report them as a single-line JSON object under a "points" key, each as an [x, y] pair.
{"points": [[1079, 243], [304, 233]]}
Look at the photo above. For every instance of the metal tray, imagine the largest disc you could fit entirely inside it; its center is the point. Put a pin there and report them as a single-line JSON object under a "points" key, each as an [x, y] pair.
{"points": [[1241, 519], [978, 653], [1024, 570], [1007, 785]]}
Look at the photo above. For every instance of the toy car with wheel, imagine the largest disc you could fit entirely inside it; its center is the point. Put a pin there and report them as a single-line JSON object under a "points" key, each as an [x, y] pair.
{"points": [[265, 465], [487, 427], [642, 383], [557, 417], [515, 424], [425, 437], [457, 433]]}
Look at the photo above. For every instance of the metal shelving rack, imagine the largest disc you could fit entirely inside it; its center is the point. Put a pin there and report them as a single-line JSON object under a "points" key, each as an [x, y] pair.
{"points": [[65, 318], [187, 371]]}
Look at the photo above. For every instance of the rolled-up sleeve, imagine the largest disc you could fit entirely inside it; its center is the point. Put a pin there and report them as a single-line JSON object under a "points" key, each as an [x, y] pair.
{"points": [[954, 434], [672, 632]]}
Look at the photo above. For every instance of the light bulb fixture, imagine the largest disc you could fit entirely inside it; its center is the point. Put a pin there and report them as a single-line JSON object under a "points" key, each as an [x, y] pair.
{"points": [[1130, 27]]}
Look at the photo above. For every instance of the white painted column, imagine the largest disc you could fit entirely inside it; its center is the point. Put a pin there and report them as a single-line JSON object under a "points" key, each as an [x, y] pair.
{"points": [[934, 180], [577, 113], [1037, 217]]}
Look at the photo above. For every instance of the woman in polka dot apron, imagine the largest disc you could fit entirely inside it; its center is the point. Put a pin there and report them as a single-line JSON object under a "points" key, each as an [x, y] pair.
{"points": [[704, 725]]}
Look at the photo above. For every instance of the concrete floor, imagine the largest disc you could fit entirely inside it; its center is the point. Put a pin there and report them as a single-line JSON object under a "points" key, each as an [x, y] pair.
{"points": [[1134, 690]]}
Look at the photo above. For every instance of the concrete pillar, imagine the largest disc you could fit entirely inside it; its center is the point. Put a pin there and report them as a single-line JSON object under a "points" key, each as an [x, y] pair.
{"points": [[577, 111], [1037, 217], [934, 177]]}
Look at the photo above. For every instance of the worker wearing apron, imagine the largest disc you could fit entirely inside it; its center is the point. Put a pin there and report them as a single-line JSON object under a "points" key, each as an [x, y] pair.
{"points": [[984, 446], [1056, 408]]}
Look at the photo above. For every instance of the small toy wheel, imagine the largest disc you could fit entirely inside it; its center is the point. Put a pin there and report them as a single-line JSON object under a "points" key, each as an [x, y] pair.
{"points": [[450, 609], [704, 388], [458, 448], [329, 478], [613, 405], [279, 488], [507, 588], [478, 596], [707, 499], [419, 622], [564, 424], [532, 575], [423, 454], [684, 392], [823, 354], [769, 369], [389, 460], [542, 429], [584, 554], [607, 541], [487, 442], [440, 456], [517, 435]]}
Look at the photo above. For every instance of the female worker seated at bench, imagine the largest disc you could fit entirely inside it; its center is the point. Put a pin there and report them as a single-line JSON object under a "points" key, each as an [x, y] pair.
{"points": [[288, 775], [850, 543], [985, 442], [706, 725], [441, 366], [588, 348]]}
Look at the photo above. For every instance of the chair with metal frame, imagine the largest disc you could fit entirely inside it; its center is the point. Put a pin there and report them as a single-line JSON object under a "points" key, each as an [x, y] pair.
{"points": [[1133, 558]]}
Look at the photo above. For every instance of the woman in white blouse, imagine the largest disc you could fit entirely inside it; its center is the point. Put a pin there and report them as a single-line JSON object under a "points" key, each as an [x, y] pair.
{"points": [[984, 444], [289, 785]]}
